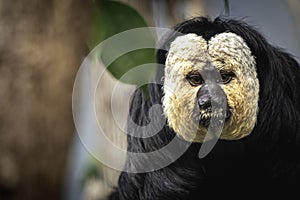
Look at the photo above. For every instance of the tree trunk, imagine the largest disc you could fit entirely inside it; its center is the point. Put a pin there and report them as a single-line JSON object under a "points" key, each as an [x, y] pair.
{"points": [[42, 44]]}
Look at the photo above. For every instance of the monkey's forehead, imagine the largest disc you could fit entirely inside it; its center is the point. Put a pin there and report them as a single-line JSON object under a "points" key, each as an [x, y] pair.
{"points": [[193, 50]]}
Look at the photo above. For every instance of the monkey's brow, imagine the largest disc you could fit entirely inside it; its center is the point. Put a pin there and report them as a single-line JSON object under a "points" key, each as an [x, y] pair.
{"points": [[193, 72], [198, 72]]}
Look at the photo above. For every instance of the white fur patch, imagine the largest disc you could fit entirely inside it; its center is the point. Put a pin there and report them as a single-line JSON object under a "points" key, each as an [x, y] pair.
{"points": [[226, 51]]}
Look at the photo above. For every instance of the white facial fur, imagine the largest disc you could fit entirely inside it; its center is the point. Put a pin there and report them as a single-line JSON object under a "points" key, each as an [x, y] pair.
{"points": [[226, 51]]}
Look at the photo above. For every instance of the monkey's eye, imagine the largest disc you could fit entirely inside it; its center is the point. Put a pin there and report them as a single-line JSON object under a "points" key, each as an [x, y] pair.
{"points": [[226, 77], [195, 79]]}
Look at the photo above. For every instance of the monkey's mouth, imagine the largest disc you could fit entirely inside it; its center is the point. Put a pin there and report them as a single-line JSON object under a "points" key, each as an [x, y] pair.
{"points": [[207, 116]]}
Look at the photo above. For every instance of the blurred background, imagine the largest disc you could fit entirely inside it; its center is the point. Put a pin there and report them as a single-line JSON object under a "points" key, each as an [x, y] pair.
{"points": [[42, 45]]}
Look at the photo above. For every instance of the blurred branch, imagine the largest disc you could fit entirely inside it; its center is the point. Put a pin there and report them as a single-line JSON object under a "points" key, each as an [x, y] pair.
{"points": [[295, 8], [227, 7]]}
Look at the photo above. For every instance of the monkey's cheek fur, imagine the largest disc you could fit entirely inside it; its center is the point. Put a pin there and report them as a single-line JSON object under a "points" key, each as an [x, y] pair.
{"points": [[179, 108], [242, 99], [235, 127]]}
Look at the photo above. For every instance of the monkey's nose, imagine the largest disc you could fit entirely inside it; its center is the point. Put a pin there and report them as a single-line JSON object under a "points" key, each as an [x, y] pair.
{"points": [[204, 102]]}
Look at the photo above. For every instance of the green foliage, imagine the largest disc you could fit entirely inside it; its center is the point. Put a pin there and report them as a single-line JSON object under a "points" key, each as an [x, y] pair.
{"points": [[93, 170], [128, 61], [111, 18]]}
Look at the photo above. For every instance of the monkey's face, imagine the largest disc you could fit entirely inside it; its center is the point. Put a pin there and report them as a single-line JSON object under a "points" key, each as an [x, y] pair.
{"points": [[207, 80]]}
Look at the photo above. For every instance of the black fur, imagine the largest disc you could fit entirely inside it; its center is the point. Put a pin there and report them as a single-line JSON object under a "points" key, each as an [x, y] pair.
{"points": [[265, 162]]}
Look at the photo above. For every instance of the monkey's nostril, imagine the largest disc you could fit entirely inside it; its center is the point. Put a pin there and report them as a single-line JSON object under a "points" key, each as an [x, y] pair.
{"points": [[204, 102]]}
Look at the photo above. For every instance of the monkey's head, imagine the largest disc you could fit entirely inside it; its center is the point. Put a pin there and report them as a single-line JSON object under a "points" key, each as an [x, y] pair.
{"points": [[210, 73], [201, 74]]}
